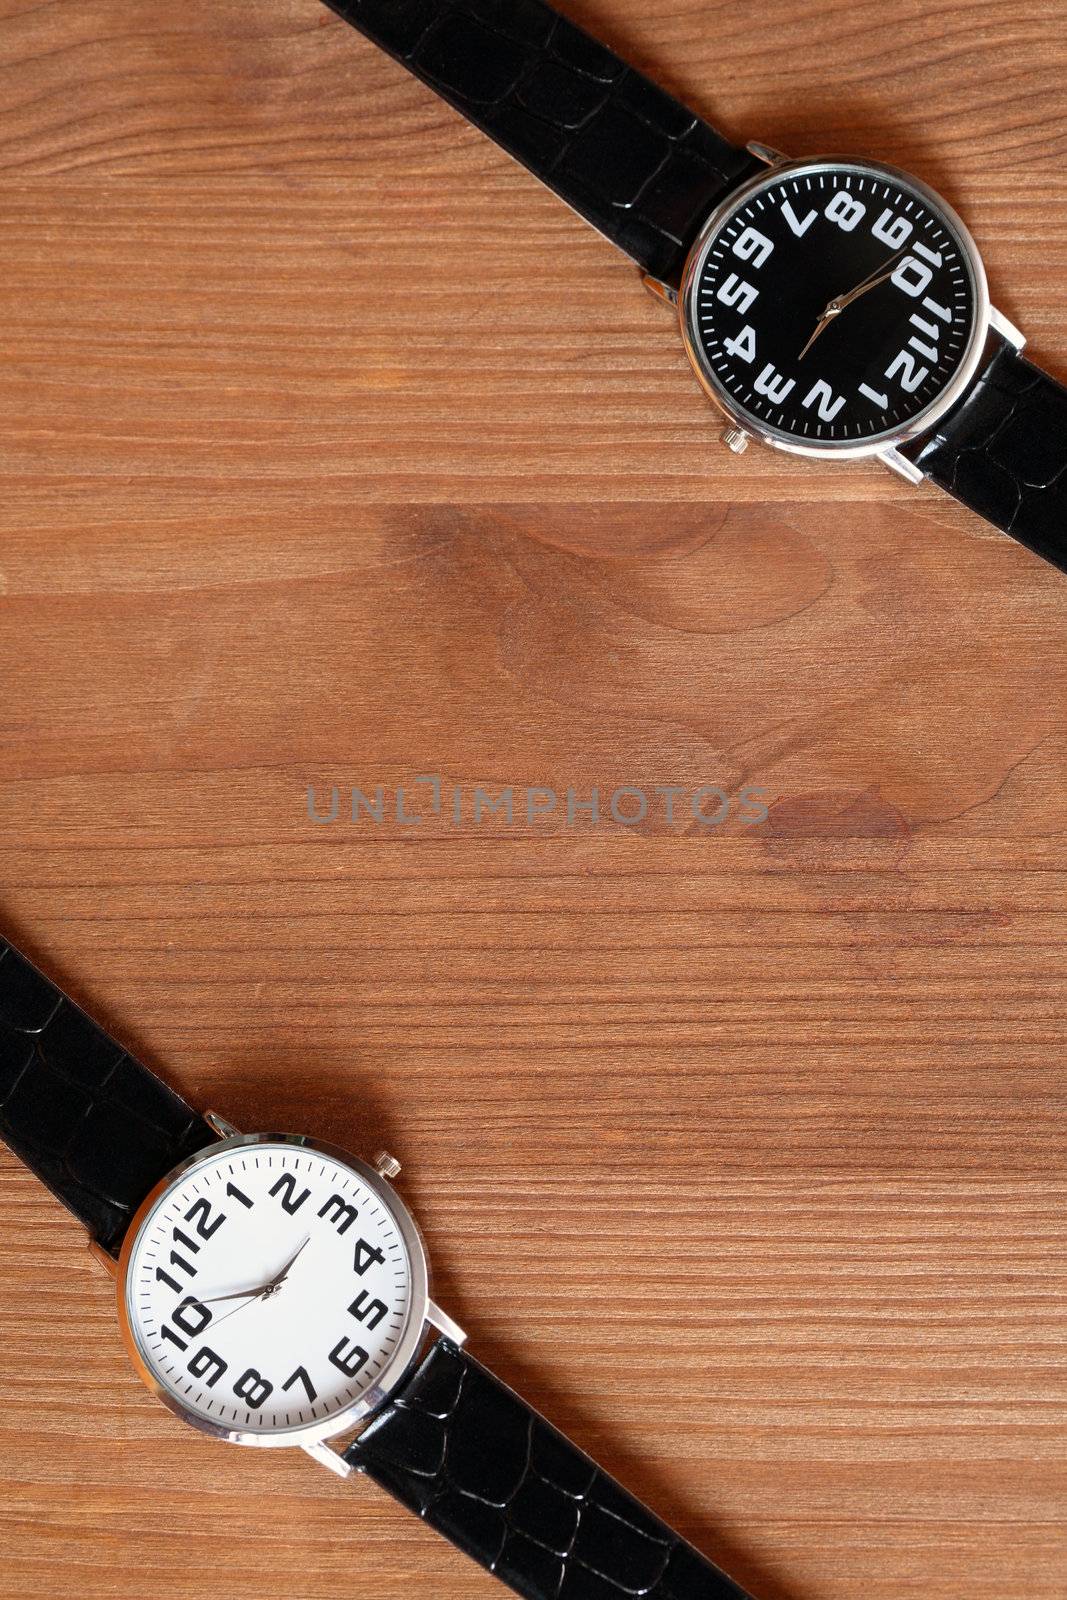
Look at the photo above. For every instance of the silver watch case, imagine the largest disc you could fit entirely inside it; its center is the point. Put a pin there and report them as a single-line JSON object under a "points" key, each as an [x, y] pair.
{"points": [[419, 1317], [884, 443]]}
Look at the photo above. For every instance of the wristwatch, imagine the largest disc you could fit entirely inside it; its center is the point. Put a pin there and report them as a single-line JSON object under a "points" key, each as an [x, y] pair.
{"points": [[831, 307], [275, 1291]]}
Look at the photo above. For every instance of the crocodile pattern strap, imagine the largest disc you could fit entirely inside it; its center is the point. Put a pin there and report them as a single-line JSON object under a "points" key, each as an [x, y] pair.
{"points": [[1003, 452], [630, 159], [478, 1464], [94, 1125]]}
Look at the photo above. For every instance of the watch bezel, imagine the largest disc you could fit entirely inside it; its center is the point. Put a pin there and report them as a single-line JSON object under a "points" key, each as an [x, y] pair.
{"points": [[781, 439], [407, 1347]]}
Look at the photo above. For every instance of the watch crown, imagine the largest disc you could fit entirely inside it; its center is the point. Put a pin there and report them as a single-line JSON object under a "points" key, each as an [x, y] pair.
{"points": [[385, 1165], [735, 439]]}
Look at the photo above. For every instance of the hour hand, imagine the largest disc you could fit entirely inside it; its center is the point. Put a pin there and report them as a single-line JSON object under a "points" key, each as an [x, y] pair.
{"points": [[239, 1294], [824, 322]]}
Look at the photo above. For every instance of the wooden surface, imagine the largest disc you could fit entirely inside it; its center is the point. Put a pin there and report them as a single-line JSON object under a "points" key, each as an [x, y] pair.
{"points": [[333, 450]]}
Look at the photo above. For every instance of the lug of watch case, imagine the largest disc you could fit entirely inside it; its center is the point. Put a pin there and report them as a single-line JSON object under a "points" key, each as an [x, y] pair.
{"points": [[436, 1318], [765, 153], [330, 1453], [327, 1457], [901, 466], [1007, 330], [664, 292], [102, 1259], [224, 1129]]}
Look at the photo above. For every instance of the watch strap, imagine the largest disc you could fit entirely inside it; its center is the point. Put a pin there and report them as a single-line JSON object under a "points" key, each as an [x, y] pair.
{"points": [[95, 1125], [1003, 452], [629, 158], [464, 1452]]}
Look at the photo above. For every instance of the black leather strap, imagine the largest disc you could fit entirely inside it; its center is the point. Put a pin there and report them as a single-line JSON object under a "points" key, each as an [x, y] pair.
{"points": [[1003, 452], [478, 1464], [630, 159], [94, 1125]]}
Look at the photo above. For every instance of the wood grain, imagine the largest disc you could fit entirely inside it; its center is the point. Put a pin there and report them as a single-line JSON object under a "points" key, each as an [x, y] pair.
{"points": [[335, 452]]}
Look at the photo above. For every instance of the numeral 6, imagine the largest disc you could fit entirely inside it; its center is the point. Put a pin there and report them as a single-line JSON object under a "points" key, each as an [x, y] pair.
{"points": [[348, 1361], [753, 246]]}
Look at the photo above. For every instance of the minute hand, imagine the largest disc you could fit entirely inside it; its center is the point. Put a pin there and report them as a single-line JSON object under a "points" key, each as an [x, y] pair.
{"points": [[838, 304], [260, 1289], [284, 1273], [240, 1294], [862, 288]]}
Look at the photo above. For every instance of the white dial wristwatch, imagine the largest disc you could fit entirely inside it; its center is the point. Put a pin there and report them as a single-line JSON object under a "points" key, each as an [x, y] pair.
{"points": [[274, 1291]]}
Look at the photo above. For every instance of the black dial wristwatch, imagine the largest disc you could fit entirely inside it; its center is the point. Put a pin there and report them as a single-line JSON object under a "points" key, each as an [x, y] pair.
{"points": [[275, 1291], [832, 307]]}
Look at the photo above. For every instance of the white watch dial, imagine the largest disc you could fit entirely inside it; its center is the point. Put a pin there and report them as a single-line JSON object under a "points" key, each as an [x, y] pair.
{"points": [[269, 1288]]}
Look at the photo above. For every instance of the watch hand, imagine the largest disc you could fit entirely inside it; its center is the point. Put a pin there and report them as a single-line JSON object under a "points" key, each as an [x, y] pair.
{"points": [[240, 1294], [824, 322], [284, 1273], [249, 1295], [250, 1300], [886, 270], [835, 307], [862, 288]]}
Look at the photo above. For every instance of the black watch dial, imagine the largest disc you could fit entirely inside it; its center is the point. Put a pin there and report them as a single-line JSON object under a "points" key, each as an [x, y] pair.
{"points": [[834, 305]]}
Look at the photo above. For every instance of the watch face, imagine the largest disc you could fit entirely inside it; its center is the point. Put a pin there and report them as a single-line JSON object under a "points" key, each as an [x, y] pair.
{"points": [[833, 305], [271, 1288]]}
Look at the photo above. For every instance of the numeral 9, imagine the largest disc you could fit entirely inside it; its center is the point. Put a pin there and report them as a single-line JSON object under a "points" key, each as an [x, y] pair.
{"points": [[206, 1361]]}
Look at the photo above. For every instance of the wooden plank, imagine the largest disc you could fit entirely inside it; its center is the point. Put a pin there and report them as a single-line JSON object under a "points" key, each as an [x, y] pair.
{"points": [[334, 452]]}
